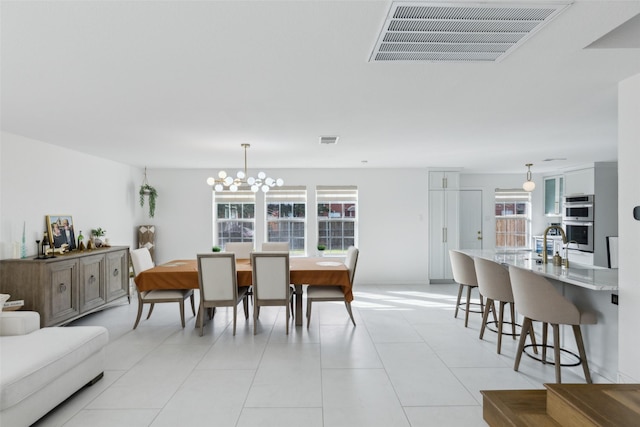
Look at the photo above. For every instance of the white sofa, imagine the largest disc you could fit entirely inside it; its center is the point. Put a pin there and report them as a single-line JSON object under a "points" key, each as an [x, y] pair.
{"points": [[40, 368]]}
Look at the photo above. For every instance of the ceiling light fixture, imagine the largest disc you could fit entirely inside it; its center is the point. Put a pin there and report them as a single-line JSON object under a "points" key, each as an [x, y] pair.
{"points": [[262, 182], [529, 185]]}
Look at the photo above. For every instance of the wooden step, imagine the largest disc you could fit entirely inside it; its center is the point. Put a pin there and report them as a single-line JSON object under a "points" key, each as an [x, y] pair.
{"points": [[516, 408], [586, 405]]}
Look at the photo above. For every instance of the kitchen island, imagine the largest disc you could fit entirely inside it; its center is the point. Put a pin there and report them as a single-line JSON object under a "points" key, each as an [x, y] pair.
{"points": [[591, 288], [586, 276]]}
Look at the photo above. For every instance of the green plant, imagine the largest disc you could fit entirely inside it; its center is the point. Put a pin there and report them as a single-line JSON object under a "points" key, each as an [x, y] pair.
{"points": [[321, 247], [98, 232], [215, 249], [147, 190]]}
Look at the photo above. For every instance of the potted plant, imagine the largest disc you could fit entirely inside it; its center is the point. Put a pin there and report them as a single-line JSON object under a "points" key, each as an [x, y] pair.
{"points": [[215, 249], [147, 190], [321, 249], [97, 233]]}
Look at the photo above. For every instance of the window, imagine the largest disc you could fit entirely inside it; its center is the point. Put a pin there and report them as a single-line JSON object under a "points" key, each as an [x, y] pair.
{"points": [[287, 217], [337, 217], [235, 216], [513, 219]]}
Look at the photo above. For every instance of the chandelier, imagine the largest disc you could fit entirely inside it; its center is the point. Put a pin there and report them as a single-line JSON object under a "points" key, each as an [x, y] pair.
{"points": [[529, 185], [261, 182]]}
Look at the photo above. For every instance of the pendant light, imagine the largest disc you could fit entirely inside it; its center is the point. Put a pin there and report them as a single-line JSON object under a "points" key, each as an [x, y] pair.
{"points": [[529, 185]]}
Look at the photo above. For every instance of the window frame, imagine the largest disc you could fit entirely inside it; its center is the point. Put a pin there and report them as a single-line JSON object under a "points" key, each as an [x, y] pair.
{"points": [[294, 195], [244, 198], [339, 196], [509, 223]]}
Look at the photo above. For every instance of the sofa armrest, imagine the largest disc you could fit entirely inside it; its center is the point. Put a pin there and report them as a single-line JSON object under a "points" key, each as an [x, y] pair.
{"points": [[18, 322]]}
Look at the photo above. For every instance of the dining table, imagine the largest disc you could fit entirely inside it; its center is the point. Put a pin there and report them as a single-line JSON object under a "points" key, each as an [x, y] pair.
{"points": [[183, 274]]}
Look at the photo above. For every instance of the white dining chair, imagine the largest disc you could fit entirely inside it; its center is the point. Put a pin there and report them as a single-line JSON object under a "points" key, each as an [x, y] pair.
{"points": [[242, 250], [275, 246], [270, 283], [334, 293], [219, 286], [141, 261]]}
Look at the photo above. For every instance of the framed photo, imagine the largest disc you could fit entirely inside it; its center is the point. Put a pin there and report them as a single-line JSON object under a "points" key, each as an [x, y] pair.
{"points": [[61, 231]]}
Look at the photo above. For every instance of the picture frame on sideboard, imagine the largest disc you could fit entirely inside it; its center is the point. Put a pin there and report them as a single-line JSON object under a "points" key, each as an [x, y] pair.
{"points": [[61, 232]]}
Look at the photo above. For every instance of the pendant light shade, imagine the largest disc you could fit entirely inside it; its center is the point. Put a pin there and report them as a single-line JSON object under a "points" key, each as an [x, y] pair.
{"points": [[529, 185]]}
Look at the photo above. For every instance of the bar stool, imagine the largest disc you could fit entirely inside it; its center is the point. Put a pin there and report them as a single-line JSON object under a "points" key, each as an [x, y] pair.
{"points": [[464, 272], [494, 284], [537, 299]]}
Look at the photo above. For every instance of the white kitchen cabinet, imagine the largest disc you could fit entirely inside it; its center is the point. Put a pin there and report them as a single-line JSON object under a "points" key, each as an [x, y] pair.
{"points": [[581, 181], [553, 192], [443, 232], [444, 180]]}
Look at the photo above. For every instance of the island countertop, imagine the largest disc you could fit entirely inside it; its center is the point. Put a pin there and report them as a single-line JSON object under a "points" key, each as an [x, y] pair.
{"points": [[586, 276]]}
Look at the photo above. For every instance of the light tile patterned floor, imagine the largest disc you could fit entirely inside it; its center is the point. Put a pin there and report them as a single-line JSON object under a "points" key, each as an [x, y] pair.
{"points": [[407, 363]]}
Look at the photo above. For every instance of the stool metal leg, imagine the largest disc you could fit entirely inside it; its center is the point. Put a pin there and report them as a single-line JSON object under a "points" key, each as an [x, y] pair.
{"points": [[458, 300], [500, 320], [526, 326], [583, 355], [556, 351], [485, 316], [466, 313]]}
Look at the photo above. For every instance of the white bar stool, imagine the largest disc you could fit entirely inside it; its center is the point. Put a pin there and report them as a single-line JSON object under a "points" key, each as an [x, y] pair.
{"points": [[537, 299], [494, 284], [464, 272]]}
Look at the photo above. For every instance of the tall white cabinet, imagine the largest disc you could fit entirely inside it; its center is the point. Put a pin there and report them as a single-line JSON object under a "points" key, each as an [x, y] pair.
{"points": [[444, 204]]}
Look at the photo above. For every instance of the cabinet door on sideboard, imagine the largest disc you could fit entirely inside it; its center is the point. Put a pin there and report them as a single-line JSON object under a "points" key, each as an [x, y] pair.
{"points": [[117, 274], [61, 292], [92, 289]]}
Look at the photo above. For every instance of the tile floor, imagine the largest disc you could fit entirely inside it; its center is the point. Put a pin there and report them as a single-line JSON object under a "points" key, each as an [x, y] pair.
{"points": [[407, 363]]}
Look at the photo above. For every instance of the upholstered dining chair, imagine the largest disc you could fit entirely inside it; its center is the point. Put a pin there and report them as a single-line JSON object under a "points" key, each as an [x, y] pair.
{"points": [[334, 293], [538, 300], [275, 246], [271, 285], [494, 285], [219, 286], [282, 247], [141, 261], [242, 250], [464, 273]]}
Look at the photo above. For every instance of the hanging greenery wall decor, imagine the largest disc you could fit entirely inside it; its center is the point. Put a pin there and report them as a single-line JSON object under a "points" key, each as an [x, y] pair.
{"points": [[147, 190], [152, 193]]}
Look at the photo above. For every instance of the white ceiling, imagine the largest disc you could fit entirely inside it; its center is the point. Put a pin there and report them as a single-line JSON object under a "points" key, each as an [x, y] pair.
{"points": [[182, 84]]}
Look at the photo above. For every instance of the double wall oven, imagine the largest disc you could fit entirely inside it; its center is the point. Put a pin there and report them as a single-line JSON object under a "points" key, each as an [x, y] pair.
{"points": [[577, 221]]}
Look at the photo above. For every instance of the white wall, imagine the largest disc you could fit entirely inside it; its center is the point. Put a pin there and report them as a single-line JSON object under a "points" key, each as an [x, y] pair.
{"points": [[628, 228], [488, 184], [392, 204], [38, 179]]}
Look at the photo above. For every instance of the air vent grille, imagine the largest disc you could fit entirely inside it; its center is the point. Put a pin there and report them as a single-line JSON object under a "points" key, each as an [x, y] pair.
{"points": [[462, 32], [328, 140]]}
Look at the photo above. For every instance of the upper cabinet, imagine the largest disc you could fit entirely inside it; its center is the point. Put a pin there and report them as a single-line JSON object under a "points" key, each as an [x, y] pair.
{"points": [[444, 180], [553, 192], [581, 181]]}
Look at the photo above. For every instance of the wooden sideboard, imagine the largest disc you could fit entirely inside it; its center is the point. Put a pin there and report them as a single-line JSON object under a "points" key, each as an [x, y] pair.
{"points": [[68, 286]]}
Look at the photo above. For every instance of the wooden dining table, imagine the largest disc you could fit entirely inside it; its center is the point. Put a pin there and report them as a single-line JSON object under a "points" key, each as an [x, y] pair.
{"points": [[183, 274]]}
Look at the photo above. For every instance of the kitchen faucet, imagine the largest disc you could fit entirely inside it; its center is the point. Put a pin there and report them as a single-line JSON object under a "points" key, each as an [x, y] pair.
{"points": [[564, 240]]}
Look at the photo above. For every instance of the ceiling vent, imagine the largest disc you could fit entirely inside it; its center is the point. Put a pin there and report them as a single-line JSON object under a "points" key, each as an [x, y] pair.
{"points": [[328, 140], [476, 32]]}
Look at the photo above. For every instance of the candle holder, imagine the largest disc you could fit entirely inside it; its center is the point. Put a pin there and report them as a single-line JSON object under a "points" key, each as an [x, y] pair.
{"points": [[40, 250]]}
